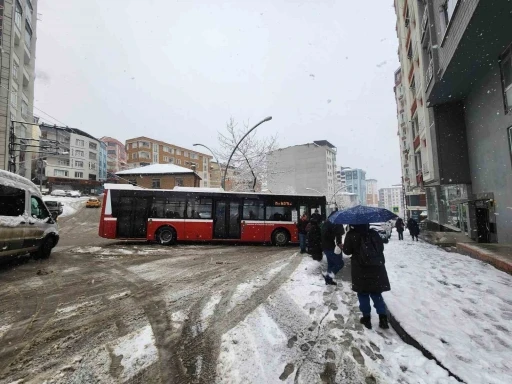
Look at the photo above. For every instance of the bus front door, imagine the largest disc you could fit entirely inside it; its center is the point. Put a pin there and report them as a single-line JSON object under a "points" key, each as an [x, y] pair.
{"points": [[226, 222], [132, 217]]}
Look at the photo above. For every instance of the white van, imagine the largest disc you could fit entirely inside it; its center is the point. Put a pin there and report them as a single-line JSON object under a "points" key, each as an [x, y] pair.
{"points": [[26, 225]]}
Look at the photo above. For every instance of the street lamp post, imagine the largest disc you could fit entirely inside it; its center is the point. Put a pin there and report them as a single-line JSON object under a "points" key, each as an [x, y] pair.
{"points": [[236, 147], [314, 190], [217, 160]]}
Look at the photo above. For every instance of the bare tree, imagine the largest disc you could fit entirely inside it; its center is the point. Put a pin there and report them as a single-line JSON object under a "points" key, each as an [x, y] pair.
{"points": [[249, 162]]}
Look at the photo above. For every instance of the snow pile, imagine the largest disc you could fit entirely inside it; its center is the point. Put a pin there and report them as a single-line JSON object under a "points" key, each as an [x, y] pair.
{"points": [[12, 221], [70, 204], [458, 308], [137, 351]]}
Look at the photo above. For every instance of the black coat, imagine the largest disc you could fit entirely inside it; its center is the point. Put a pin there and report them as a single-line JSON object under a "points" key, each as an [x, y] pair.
{"points": [[315, 241], [302, 225], [400, 226], [413, 226], [365, 279], [330, 233]]}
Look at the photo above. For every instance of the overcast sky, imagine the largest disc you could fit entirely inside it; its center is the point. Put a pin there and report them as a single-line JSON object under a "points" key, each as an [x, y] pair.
{"points": [[177, 70]]}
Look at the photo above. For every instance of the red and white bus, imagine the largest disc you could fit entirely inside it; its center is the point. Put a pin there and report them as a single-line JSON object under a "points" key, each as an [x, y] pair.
{"points": [[202, 214]]}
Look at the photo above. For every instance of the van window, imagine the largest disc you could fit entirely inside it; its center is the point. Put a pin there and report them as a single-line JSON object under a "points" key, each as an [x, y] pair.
{"points": [[12, 201], [38, 209]]}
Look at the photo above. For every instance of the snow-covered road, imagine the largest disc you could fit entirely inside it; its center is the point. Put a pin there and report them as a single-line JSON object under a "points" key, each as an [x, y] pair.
{"points": [[70, 204]]}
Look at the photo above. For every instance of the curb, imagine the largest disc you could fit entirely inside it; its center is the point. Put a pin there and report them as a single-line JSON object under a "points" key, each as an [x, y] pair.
{"points": [[497, 261], [408, 339]]}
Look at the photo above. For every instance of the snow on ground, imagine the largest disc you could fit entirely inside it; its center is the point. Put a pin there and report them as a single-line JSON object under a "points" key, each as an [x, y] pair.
{"points": [[138, 351], [458, 308], [307, 332], [206, 313], [70, 204]]}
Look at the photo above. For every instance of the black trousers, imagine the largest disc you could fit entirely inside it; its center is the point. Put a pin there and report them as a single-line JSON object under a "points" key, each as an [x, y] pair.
{"points": [[400, 235]]}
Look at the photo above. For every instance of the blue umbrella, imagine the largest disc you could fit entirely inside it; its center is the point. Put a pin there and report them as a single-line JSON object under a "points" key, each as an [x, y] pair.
{"points": [[361, 214]]}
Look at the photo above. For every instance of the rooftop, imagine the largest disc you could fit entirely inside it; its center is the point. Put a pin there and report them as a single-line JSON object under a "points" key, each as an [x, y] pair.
{"points": [[157, 169]]}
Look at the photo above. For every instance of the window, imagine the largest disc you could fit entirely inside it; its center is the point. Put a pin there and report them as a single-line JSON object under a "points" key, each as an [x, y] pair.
{"points": [[171, 207], [186, 154], [92, 177], [171, 160], [63, 162], [38, 209], [506, 76], [28, 36], [92, 165], [155, 147], [79, 143], [79, 175], [134, 155], [166, 159], [253, 210], [447, 10], [199, 208], [12, 201], [24, 110], [93, 145], [178, 161], [179, 182], [14, 98], [166, 149], [93, 156], [79, 153], [18, 16], [15, 68], [279, 213], [194, 156], [155, 157], [111, 152], [155, 184], [60, 173]]}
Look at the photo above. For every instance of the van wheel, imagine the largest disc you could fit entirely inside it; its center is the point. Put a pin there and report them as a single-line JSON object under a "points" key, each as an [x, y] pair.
{"points": [[45, 249], [280, 237], [166, 235]]}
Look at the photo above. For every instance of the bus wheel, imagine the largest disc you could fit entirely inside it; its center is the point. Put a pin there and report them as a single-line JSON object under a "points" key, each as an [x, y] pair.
{"points": [[280, 237], [166, 235]]}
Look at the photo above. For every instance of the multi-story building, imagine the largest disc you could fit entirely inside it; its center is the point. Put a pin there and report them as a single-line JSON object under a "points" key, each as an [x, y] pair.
{"points": [[303, 168], [355, 182], [141, 151], [116, 155], [18, 20], [102, 162], [468, 84], [415, 125], [81, 164], [392, 199], [372, 193]]}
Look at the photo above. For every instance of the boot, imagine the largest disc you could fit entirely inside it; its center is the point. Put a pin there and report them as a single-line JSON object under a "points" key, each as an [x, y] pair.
{"points": [[366, 321], [383, 322], [329, 280]]}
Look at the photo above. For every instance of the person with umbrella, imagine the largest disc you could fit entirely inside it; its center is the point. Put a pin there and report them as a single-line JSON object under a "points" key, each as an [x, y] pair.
{"points": [[369, 275]]}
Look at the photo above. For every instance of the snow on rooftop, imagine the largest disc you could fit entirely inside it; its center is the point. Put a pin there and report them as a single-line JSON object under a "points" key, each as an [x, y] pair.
{"points": [[156, 169], [120, 186]]}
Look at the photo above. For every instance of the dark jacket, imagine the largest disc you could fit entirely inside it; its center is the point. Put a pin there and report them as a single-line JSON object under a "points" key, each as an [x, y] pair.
{"points": [[413, 226], [331, 232], [365, 279], [399, 225], [302, 226], [315, 241]]}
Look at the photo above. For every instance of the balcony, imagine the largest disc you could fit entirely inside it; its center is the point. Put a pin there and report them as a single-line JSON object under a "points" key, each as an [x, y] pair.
{"points": [[26, 57], [424, 23], [425, 168], [26, 78], [416, 142], [414, 107], [430, 73], [17, 35]]}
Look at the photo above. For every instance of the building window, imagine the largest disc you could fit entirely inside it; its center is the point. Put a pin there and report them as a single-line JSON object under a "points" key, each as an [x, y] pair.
{"points": [[112, 152], [155, 157], [506, 76], [166, 149], [92, 165], [79, 143], [178, 161], [171, 160], [93, 156], [24, 110], [79, 175], [92, 177], [79, 153], [194, 156], [79, 164], [179, 182], [166, 159], [18, 15], [134, 155], [14, 98], [28, 36], [15, 68], [60, 173], [155, 184], [93, 145], [63, 162], [447, 11]]}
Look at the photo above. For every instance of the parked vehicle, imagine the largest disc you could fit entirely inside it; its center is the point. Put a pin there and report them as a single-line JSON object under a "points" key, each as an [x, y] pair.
{"points": [[55, 207], [74, 194], [93, 202], [26, 225], [58, 192], [383, 229]]}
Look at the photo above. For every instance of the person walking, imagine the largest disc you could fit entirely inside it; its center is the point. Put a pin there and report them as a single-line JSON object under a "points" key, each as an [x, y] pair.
{"points": [[400, 226], [331, 237], [315, 240], [317, 216], [414, 228], [301, 227], [369, 275]]}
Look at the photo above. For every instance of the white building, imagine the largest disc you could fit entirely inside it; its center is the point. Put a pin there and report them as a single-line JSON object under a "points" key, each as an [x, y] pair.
{"points": [[18, 20], [391, 198], [372, 193], [303, 169]]}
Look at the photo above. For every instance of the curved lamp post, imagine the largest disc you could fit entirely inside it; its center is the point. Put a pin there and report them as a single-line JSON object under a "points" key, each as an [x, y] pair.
{"points": [[217, 160], [236, 147], [314, 190]]}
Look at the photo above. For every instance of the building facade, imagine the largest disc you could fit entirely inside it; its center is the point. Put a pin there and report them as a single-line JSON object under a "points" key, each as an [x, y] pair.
{"points": [[160, 176], [392, 199], [355, 182], [17, 59], [80, 164], [142, 151], [303, 169], [372, 193], [102, 162], [116, 155]]}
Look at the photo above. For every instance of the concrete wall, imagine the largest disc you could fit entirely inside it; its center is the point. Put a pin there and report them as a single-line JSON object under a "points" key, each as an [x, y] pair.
{"points": [[489, 149], [166, 181]]}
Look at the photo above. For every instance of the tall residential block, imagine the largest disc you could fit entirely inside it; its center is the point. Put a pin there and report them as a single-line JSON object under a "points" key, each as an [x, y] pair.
{"points": [[17, 62], [116, 156], [303, 169], [355, 182], [141, 151], [372, 193], [391, 198]]}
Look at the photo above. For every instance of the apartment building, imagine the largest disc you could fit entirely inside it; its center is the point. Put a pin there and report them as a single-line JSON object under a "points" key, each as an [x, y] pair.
{"points": [[392, 199], [116, 155], [82, 163], [372, 193], [142, 151], [355, 182], [303, 169], [18, 19], [415, 124]]}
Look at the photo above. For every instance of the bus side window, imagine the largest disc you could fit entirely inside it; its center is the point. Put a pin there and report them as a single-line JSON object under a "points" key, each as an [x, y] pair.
{"points": [[253, 210], [199, 208], [158, 208], [177, 205], [279, 213]]}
